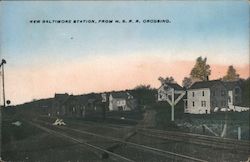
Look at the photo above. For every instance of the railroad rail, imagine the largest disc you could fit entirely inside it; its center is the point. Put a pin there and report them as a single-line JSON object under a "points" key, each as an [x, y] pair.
{"points": [[204, 140], [97, 150], [163, 153], [211, 141]]}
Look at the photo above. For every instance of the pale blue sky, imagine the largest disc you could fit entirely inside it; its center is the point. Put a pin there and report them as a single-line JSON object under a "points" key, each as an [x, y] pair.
{"points": [[214, 29], [42, 59]]}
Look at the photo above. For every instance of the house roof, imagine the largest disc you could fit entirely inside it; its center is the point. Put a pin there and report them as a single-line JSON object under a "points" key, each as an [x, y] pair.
{"points": [[205, 84], [61, 98], [81, 99], [175, 86], [120, 95]]}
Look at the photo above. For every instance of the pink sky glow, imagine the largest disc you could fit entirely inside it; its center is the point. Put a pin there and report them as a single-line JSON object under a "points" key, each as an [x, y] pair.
{"points": [[100, 74]]}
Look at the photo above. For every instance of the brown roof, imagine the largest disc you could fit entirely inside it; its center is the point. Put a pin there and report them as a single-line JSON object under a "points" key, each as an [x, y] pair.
{"points": [[175, 86], [206, 84]]}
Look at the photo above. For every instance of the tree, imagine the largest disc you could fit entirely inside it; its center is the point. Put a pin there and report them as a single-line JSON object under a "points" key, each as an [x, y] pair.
{"points": [[201, 69], [231, 74], [144, 94], [142, 87], [186, 82], [166, 80]]}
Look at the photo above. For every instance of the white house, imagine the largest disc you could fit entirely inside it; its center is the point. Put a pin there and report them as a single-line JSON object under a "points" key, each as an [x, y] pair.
{"points": [[165, 89], [122, 101], [207, 96]]}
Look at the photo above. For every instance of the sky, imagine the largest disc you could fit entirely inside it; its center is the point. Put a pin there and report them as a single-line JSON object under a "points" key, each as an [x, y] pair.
{"points": [[44, 59]]}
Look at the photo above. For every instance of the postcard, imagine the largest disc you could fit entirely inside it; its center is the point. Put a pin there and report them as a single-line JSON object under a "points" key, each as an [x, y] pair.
{"points": [[124, 81]]}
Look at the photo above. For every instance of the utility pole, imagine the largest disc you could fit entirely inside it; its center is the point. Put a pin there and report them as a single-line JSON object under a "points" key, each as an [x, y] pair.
{"points": [[1, 107], [172, 105], [2, 64]]}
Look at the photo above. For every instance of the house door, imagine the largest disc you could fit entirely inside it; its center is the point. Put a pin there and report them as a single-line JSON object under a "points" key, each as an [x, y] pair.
{"points": [[120, 108]]}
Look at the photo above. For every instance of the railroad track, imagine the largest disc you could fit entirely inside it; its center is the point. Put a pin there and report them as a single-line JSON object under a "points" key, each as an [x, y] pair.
{"points": [[97, 124], [102, 153], [204, 140], [70, 133], [211, 141]]}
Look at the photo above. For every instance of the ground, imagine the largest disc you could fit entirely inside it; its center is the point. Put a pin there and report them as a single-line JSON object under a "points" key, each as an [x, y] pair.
{"points": [[28, 143]]}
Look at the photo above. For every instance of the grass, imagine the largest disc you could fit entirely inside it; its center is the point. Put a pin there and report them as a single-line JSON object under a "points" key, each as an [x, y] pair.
{"points": [[12, 132], [28, 143], [193, 122], [163, 115]]}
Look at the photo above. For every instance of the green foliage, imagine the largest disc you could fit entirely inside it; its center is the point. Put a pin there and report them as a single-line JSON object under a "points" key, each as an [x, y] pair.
{"points": [[186, 83], [201, 70], [231, 74], [144, 94], [143, 87]]}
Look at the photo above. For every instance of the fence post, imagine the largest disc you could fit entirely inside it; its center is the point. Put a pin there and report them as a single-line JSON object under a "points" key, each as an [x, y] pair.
{"points": [[239, 133]]}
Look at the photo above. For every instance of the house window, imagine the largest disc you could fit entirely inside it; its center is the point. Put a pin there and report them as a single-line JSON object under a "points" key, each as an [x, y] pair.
{"points": [[120, 108], [193, 104], [203, 104], [193, 94], [185, 104], [203, 93]]}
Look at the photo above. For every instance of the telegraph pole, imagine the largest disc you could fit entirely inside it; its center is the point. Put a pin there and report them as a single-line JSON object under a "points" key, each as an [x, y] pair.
{"points": [[1, 107], [172, 105], [2, 64]]}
